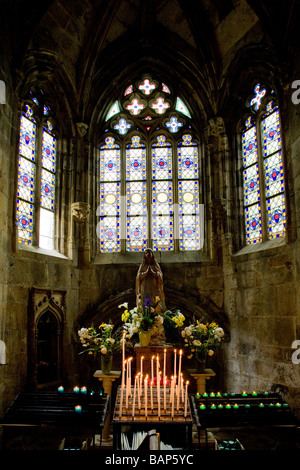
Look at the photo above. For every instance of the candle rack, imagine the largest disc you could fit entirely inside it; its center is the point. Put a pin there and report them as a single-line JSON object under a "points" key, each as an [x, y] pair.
{"points": [[175, 429], [229, 410], [158, 413]]}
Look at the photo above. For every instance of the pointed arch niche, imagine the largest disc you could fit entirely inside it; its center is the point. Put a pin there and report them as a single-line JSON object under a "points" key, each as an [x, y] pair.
{"points": [[46, 328]]}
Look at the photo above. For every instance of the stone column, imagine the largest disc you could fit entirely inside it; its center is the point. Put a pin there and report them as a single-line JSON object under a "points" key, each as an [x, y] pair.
{"points": [[217, 144], [107, 380]]}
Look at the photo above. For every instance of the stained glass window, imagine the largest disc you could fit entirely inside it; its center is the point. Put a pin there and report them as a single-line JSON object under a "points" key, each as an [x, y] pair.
{"points": [[263, 174], [26, 177], [158, 179], [36, 172], [162, 195], [251, 184], [136, 196], [273, 167], [47, 198], [110, 197], [188, 195]]}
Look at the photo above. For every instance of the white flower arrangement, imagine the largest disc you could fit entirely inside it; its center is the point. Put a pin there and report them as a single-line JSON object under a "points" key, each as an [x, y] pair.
{"points": [[202, 338]]}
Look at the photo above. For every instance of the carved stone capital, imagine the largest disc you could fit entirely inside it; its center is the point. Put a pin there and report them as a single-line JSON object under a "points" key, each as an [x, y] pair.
{"points": [[81, 128], [216, 127], [80, 211]]}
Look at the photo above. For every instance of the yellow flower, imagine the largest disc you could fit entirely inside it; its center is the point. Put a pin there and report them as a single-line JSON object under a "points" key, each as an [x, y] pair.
{"points": [[103, 325], [125, 315]]}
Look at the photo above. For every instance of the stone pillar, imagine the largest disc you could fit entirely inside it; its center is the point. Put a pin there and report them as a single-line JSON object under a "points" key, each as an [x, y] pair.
{"points": [[107, 380], [217, 143]]}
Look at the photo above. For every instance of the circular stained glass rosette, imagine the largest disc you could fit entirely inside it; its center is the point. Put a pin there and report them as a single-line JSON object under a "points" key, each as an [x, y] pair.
{"points": [[136, 198], [161, 163], [136, 233], [162, 232], [46, 189], [27, 139], [162, 197], [252, 185], [23, 221], [272, 134], [276, 217], [110, 165], [47, 151], [109, 233], [189, 231], [188, 162], [274, 174], [110, 199], [188, 197], [250, 147], [136, 164], [254, 224], [25, 179]]}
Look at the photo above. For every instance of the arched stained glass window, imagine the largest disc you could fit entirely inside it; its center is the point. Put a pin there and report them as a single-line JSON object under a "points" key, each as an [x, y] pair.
{"points": [[149, 196], [26, 177], [36, 178], [264, 190], [110, 196], [162, 195], [188, 195]]}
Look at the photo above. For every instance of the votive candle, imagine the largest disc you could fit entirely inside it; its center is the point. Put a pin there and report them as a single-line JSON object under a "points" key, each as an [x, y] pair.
{"points": [[61, 390], [83, 390], [76, 389], [78, 409]]}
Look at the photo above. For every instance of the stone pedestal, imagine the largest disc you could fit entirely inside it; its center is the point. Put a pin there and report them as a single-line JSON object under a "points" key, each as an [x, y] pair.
{"points": [[201, 379], [107, 380], [148, 352]]}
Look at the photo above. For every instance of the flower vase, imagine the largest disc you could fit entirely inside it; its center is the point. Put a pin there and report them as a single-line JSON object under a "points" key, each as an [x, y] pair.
{"points": [[106, 363], [201, 363], [144, 338]]}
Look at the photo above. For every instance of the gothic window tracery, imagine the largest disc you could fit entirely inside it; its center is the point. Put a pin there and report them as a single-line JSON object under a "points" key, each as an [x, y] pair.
{"points": [[149, 173]]}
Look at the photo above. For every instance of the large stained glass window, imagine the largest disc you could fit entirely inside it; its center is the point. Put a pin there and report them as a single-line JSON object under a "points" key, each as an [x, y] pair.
{"points": [[264, 196], [26, 177], [188, 195], [110, 196], [162, 195], [36, 178], [150, 195], [136, 196], [47, 198]]}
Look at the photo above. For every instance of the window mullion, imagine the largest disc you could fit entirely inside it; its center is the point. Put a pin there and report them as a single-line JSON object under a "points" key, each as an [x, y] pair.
{"points": [[262, 182], [149, 191], [123, 208], [37, 195], [175, 197]]}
